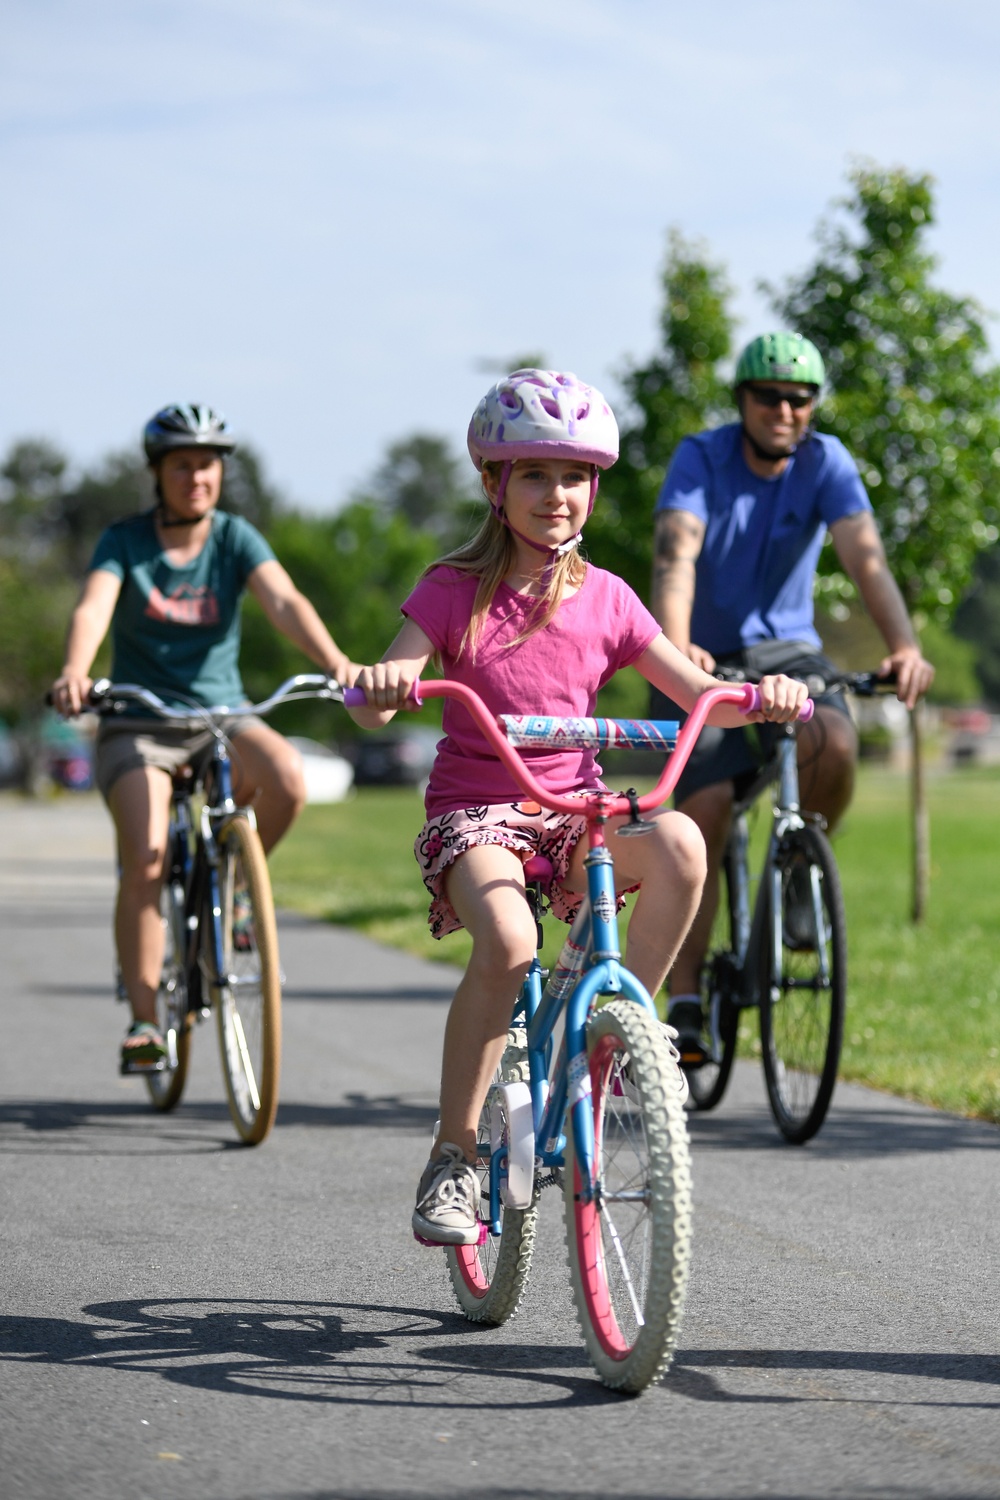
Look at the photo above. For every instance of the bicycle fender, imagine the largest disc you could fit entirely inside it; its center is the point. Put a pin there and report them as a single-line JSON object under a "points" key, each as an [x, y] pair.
{"points": [[510, 1104]]}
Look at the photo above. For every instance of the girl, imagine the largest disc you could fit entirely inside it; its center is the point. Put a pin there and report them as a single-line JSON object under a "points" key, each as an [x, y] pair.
{"points": [[520, 617]]}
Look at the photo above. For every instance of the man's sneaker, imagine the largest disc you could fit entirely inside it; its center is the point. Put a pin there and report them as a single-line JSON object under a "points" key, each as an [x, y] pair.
{"points": [[686, 1018], [798, 919], [448, 1200]]}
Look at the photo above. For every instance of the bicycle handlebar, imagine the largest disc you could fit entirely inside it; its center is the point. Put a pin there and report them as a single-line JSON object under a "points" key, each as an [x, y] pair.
{"points": [[105, 696], [862, 684], [745, 696]]}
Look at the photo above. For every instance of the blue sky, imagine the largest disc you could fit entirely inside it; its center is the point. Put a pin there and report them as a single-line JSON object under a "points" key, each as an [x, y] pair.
{"points": [[322, 216]]}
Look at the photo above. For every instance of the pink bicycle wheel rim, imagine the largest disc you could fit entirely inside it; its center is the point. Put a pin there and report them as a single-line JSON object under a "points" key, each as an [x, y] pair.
{"points": [[589, 1245]]}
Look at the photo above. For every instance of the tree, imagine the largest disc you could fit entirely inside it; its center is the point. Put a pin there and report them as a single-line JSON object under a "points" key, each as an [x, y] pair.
{"points": [[679, 391], [915, 399], [356, 567], [914, 396], [977, 620], [422, 481]]}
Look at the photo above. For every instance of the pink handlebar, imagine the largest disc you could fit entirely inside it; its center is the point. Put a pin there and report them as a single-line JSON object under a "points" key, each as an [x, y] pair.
{"points": [[743, 695], [753, 693]]}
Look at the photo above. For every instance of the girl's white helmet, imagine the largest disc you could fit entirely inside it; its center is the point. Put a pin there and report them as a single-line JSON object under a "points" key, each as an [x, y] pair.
{"points": [[543, 414]]}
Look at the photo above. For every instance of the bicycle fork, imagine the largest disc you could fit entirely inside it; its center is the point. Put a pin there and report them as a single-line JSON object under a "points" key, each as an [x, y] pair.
{"points": [[572, 988]]}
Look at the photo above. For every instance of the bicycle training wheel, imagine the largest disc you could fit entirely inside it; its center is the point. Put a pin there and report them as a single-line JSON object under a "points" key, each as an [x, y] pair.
{"points": [[719, 982], [802, 997], [172, 1017], [489, 1279], [248, 999], [630, 1247]]}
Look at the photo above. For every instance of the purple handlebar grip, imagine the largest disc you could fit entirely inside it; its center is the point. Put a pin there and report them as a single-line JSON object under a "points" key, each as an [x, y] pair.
{"points": [[355, 697], [752, 704]]}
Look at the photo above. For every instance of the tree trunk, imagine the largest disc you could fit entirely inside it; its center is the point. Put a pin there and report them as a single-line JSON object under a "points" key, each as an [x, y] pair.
{"points": [[921, 818]]}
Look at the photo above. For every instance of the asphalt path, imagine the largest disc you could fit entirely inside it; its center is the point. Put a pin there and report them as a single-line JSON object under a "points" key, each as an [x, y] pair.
{"points": [[186, 1317]]}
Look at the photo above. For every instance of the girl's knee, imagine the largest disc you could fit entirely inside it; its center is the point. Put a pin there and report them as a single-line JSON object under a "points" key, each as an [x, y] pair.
{"points": [[505, 947]]}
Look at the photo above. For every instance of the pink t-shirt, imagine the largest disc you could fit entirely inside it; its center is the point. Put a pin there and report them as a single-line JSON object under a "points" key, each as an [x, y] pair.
{"points": [[593, 634]]}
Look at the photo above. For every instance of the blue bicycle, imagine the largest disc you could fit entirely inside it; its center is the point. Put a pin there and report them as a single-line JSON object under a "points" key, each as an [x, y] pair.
{"points": [[587, 1095]]}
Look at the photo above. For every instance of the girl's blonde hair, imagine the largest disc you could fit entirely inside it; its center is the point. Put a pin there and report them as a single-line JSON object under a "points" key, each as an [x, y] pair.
{"points": [[489, 556]]}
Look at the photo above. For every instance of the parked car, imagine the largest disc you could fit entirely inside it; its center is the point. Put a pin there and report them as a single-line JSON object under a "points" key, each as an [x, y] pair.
{"points": [[329, 776], [395, 757]]}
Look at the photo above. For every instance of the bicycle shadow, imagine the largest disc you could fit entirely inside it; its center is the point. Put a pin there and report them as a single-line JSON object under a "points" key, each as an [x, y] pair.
{"points": [[349, 1354], [690, 1376], [856, 1131], [109, 1127], [356, 1354], [102, 1127]]}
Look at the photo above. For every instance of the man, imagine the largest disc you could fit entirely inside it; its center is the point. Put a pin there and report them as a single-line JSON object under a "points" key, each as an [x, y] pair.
{"points": [[740, 521]]}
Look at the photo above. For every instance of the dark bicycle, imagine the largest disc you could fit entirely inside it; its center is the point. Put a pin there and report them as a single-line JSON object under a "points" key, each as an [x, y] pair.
{"points": [[788, 956], [221, 941]]}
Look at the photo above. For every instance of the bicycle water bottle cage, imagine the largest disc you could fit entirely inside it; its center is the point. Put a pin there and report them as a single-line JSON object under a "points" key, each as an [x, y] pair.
{"points": [[635, 825]]}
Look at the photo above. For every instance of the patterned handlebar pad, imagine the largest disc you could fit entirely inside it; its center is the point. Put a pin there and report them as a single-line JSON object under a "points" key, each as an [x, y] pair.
{"points": [[540, 732]]}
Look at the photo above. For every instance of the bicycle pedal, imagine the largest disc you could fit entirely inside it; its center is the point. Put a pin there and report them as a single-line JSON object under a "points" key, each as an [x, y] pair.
{"points": [[127, 1068]]}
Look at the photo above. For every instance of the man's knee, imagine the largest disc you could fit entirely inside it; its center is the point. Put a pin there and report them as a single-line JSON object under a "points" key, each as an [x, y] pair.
{"points": [[711, 808]]}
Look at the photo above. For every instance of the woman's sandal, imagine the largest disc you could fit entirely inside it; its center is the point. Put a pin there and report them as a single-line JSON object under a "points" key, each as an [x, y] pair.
{"points": [[147, 1055]]}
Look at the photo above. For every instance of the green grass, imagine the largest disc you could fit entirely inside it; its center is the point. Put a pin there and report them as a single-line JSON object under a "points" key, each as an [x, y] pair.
{"points": [[924, 1003]]}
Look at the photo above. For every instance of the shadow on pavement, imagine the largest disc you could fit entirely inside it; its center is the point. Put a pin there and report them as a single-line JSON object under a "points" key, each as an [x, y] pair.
{"points": [[335, 1353], [353, 1353], [853, 1132], [39, 1118], [689, 1376]]}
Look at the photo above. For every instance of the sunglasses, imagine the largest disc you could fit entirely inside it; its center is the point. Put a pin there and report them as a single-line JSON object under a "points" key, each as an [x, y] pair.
{"points": [[766, 395]]}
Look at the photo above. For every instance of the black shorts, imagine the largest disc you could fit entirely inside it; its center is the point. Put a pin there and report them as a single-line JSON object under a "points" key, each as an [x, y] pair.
{"points": [[737, 754]]}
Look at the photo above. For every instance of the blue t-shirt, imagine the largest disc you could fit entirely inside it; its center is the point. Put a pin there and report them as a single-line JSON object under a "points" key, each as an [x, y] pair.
{"points": [[177, 630], [754, 577]]}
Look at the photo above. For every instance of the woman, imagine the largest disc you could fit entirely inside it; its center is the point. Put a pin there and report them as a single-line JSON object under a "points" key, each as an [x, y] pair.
{"points": [[169, 583]]}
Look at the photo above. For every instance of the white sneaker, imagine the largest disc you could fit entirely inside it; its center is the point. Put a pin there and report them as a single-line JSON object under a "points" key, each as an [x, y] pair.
{"points": [[448, 1200]]}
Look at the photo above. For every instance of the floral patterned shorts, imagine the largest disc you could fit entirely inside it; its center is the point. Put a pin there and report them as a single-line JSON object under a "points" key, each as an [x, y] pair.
{"points": [[522, 826]]}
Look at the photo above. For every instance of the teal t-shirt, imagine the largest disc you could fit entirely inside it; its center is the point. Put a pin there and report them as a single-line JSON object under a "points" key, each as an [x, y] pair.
{"points": [[176, 631]]}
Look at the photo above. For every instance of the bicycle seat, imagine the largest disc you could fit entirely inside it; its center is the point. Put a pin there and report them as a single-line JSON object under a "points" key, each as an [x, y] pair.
{"points": [[538, 871]]}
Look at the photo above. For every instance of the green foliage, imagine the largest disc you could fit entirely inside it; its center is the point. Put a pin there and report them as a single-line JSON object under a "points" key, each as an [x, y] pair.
{"points": [[977, 621], [34, 607], [246, 492], [955, 680], [423, 482], [679, 391], [914, 395], [356, 567]]}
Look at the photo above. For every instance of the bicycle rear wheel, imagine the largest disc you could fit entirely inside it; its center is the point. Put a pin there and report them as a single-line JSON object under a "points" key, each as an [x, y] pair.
{"points": [[630, 1247], [248, 999], [802, 995], [172, 1016], [719, 983], [488, 1280]]}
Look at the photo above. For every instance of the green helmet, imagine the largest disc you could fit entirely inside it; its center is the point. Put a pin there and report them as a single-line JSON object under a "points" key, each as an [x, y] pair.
{"points": [[781, 356]]}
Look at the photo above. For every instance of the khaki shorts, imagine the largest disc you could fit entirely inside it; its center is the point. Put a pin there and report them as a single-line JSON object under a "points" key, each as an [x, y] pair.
{"points": [[129, 744]]}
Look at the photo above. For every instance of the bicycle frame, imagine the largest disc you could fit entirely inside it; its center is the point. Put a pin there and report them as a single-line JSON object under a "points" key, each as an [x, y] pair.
{"points": [[589, 966], [787, 815], [590, 963]]}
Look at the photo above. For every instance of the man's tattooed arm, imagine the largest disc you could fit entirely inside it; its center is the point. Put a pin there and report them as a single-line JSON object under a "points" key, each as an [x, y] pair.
{"points": [[677, 543]]}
